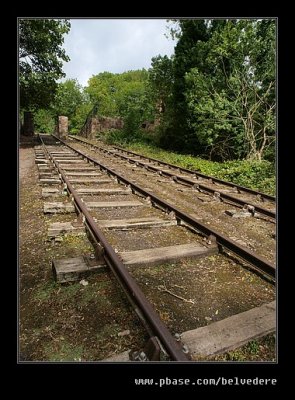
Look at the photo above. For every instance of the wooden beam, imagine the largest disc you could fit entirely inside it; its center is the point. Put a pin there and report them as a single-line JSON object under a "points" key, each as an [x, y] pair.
{"points": [[61, 228], [41, 161], [110, 204], [102, 191], [50, 181], [73, 269], [84, 174], [81, 168], [62, 153], [66, 161], [48, 192], [58, 208], [232, 332], [97, 181], [155, 256], [135, 223]]}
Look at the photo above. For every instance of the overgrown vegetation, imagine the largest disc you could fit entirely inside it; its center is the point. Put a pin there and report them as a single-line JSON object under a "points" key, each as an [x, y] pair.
{"points": [[125, 95], [221, 102], [259, 175], [214, 99]]}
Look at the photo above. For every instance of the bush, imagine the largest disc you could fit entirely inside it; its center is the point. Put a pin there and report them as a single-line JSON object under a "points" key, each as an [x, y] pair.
{"points": [[254, 174], [115, 136], [44, 121]]}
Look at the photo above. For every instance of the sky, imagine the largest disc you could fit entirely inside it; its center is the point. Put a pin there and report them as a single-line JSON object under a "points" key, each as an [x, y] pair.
{"points": [[98, 45]]}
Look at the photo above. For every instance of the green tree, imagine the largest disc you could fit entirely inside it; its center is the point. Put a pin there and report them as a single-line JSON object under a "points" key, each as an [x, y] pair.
{"points": [[69, 96], [111, 91], [124, 95], [44, 121], [102, 90], [161, 82], [40, 60], [232, 101], [176, 133], [79, 118]]}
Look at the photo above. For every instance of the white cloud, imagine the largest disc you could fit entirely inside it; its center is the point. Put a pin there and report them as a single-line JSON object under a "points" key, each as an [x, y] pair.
{"points": [[98, 45]]}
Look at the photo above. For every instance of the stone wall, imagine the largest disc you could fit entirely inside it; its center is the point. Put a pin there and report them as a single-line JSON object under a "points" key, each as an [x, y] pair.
{"points": [[96, 125], [106, 123]]}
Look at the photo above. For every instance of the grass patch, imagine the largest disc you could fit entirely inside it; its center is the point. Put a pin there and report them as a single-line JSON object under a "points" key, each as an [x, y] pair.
{"points": [[63, 351], [96, 292], [109, 330], [70, 290], [46, 291], [257, 350], [79, 242]]}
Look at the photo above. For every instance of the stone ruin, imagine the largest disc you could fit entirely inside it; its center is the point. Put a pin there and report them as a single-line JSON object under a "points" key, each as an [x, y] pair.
{"points": [[96, 125]]}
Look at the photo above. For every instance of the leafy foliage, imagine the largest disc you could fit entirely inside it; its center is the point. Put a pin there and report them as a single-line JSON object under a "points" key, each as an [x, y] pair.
{"points": [[79, 117], [232, 102], [175, 130], [253, 174], [214, 98], [69, 96], [44, 121], [222, 91], [72, 101], [40, 60], [161, 82], [123, 95]]}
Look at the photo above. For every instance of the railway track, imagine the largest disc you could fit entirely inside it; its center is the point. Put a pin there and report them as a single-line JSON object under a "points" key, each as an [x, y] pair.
{"points": [[243, 197], [77, 171], [247, 227]]}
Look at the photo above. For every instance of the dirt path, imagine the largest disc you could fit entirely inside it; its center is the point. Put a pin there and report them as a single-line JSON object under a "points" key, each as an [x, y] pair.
{"points": [[69, 322], [26, 162]]}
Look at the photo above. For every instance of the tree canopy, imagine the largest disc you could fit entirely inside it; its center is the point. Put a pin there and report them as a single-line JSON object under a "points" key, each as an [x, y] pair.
{"points": [[124, 95], [215, 97], [69, 96], [222, 91], [41, 58], [70, 100]]}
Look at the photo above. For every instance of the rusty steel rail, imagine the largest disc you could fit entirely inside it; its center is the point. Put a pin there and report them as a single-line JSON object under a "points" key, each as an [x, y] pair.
{"points": [[199, 186], [212, 178], [193, 172], [205, 188], [170, 344], [257, 262]]}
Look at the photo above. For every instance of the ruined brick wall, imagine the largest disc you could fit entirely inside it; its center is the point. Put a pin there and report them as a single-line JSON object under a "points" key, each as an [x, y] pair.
{"points": [[96, 125], [106, 123]]}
